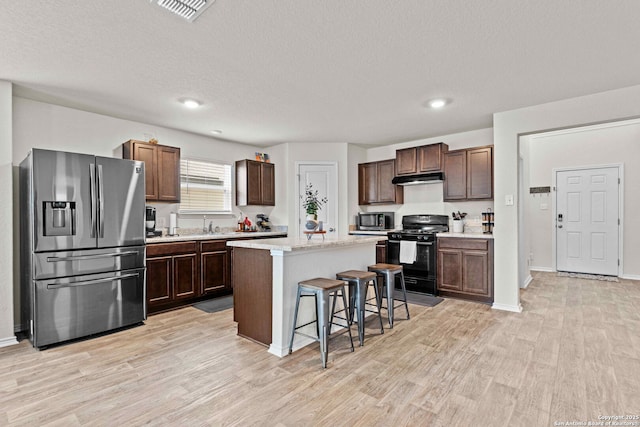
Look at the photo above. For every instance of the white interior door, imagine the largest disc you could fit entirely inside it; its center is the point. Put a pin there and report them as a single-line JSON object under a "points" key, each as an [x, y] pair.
{"points": [[587, 220], [324, 178]]}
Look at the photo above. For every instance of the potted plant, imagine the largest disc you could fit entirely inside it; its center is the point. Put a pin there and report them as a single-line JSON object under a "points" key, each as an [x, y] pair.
{"points": [[458, 223], [312, 203]]}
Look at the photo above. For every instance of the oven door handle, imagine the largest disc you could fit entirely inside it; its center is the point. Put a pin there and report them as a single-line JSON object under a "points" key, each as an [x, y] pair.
{"points": [[425, 243], [393, 241]]}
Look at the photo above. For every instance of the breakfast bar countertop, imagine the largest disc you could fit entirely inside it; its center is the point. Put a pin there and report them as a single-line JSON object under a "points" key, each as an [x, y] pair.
{"points": [[289, 244]]}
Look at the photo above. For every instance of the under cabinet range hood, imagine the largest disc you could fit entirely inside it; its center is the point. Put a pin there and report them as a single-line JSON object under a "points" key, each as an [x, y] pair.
{"points": [[423, 178]]}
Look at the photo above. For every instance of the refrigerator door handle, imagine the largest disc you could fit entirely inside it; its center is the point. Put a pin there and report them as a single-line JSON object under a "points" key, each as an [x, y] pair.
{"points": [[92, 192], [85, 257], [92, 282], [100, 202]]}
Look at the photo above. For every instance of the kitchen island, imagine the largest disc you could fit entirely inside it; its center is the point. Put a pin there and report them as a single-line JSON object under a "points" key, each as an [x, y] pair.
{"points": [[266, 275]]}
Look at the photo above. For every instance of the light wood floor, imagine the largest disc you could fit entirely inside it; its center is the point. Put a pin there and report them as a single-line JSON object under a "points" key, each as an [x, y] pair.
{"points": [[572, 355]]}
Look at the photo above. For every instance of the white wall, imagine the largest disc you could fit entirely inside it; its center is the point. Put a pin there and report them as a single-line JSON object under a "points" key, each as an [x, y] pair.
{"points": [[508, 127], [6, 217], [428, 198], [356, 155], [612, 143], [524, 222]]}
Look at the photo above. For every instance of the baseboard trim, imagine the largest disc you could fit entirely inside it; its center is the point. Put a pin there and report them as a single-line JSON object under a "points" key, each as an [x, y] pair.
{"points": [[6, 342], [526, 282], [630, 277], [507, 307], [19, 328], [545, 269]]}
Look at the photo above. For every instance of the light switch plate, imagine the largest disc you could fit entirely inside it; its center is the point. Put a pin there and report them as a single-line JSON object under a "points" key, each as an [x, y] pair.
{"points": [[544, 206], [508, 200]]}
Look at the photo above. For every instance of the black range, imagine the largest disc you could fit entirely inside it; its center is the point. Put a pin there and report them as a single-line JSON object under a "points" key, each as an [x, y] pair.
{"points": [[414, 247]]}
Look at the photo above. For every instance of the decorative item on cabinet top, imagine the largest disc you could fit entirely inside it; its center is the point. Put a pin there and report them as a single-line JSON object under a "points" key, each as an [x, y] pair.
{"points": [[262, 157]]}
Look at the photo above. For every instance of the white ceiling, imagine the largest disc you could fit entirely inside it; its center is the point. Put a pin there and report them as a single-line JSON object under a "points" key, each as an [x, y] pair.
{"points": [[360, 71]]}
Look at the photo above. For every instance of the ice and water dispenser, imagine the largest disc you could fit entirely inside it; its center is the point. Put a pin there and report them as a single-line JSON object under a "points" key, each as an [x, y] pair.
{"points": [[59, 218]]}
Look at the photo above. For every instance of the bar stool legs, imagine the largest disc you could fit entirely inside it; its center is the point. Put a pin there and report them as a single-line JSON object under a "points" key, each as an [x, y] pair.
{"points": [[389, 272], [358, 284], [322, 290]]}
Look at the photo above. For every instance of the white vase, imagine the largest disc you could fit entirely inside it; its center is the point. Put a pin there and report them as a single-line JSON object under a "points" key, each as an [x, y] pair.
{"points": [[311, 223], [458, 226]]}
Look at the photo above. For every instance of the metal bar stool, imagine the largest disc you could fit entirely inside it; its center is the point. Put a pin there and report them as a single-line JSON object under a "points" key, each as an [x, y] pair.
{"points": [[360, 280], [321, 289], [389, 272]]}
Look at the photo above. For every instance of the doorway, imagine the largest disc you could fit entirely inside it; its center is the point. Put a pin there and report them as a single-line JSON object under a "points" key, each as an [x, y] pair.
{"points": [[587, 219], [323, 176]]}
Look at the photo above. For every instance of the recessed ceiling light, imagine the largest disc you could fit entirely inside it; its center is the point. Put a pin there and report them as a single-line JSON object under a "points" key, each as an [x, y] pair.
{"points": [[437, 103], [191, 103], [216, 131]]}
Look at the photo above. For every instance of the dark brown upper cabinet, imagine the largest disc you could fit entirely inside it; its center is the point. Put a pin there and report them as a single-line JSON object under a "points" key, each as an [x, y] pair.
{"points": [[423, 159], [374, 183], [468, 174], [255, 183], [161, 168]]}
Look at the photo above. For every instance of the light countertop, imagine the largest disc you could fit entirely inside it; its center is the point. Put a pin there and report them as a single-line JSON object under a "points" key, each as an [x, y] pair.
{"points": [[466, 235], [289, 244], [215, 236]]}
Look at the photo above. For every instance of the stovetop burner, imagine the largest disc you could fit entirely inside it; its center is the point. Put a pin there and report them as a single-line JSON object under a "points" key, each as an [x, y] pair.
{"points": [[426, 230], [421, 226]]}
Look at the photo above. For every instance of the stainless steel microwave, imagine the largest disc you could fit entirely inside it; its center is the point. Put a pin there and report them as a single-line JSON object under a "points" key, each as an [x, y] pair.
{"points": [[375, 220]]}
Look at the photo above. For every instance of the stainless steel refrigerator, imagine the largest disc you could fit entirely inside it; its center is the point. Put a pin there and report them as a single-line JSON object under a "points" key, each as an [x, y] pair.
{"points": [[82, 245]]}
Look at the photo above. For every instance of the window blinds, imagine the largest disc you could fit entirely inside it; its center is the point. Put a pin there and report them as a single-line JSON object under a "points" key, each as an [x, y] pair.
{"points": [[205, 186]]}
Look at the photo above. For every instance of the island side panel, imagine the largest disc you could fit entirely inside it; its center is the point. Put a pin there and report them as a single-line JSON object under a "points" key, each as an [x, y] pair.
{"points": [[252, 293], [293, 267]]}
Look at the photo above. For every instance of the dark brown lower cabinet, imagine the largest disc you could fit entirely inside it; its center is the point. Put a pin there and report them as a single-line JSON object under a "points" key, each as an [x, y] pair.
{"points": [[381, 251], [214, 267], [158, 280], [465, 268], [185, 275], [182, 273]]}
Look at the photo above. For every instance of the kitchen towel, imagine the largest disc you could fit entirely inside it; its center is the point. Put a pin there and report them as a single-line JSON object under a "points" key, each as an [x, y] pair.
{"points": [[408, 251]]}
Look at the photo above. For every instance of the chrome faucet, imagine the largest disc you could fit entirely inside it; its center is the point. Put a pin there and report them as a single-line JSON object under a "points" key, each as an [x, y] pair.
{"points": [[204, 223], [210, 227]]}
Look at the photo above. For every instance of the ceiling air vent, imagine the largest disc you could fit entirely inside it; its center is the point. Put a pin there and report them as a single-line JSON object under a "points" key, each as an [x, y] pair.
{"points": [[187, 9]]}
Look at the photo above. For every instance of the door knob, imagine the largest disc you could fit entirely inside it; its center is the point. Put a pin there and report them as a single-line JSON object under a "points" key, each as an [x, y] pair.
{"points": [[560, 226], [331, 230]]}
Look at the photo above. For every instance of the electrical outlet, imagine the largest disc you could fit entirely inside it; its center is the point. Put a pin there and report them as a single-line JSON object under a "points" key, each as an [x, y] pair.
{"points": [[508, 200]]}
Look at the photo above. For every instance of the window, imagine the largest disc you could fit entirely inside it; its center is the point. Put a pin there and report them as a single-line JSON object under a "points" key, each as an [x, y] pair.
{"points": [[205, 187]]}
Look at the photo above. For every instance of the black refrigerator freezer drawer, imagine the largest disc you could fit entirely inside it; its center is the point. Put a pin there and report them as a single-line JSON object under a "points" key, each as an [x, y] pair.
{"points": [[70, 308]]}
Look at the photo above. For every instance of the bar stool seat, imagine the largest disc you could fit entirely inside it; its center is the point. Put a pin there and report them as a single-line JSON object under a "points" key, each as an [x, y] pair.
{"points": [[360, 280], [322, 290], [389, 272]]}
